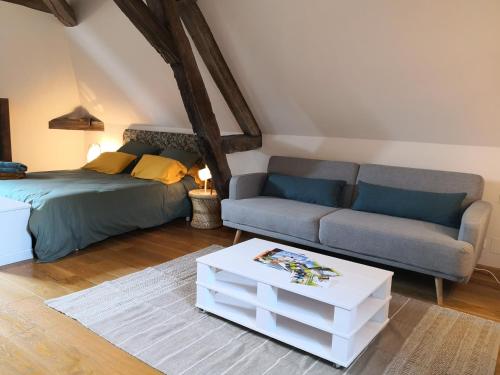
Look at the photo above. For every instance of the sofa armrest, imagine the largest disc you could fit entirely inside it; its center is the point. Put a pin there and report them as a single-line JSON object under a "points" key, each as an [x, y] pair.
{"points": [[246, 185], [474, 225]]}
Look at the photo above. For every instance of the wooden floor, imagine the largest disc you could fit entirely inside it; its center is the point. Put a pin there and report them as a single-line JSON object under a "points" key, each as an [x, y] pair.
{"points": [[37, 340]]}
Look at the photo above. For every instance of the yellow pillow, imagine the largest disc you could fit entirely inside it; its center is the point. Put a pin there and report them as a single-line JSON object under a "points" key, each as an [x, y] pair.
{"points": [[159, 168], [110, 162]]}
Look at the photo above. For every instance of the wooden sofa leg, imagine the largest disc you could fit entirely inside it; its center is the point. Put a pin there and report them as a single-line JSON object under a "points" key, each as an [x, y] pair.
{"points": [[439, 290], [237, 237]]}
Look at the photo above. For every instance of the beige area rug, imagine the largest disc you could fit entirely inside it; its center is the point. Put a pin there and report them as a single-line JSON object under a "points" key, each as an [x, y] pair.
{"points": [[151, 315]]}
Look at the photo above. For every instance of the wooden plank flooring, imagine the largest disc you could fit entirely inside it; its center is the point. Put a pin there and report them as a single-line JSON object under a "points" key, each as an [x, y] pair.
{"points": [[37, 340]]}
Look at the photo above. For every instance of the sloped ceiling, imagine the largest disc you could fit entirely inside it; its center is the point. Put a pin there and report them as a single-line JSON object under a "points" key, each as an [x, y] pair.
{"points": [[122, 79], [424, 71]]}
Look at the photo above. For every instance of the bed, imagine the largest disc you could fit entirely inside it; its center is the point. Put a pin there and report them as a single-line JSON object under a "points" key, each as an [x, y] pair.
{"points": [[73, 209]]}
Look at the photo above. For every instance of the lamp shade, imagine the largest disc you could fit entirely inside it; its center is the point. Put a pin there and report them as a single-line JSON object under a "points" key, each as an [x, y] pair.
{"points": [[204, 174], [93, 152]]}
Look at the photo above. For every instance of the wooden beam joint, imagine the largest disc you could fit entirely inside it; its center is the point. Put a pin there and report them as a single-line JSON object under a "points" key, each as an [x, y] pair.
{"points": [[63, 12], [155, 32], [59, 8], [240, 143], [33, 4], [208, 48]]}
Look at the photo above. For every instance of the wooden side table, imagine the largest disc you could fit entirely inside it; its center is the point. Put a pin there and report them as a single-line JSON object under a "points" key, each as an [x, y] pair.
{"points": [[206, 209]]}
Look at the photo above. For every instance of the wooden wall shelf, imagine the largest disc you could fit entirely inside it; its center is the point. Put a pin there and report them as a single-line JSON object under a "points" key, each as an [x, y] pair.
{"points": [[79, 119]]}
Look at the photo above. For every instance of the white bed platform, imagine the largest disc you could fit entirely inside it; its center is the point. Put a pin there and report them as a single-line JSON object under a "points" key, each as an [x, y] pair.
{"points": [[15, 239]]}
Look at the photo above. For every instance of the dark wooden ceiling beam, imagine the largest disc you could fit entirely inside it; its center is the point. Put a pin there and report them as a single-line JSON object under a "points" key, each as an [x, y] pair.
{"points": [[160, 23], [156, 7], [5, 146], [59, 8], [193, 93], [197, 102], [206, 45], [33, 4], [156, 34], [63, 12], [240, 143]]}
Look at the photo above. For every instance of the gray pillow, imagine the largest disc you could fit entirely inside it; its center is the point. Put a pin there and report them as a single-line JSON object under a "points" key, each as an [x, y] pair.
{"points": [[188, 159], [138, 149]]}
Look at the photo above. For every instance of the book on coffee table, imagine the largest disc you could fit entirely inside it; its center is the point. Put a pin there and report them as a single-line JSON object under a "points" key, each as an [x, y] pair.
{"points": [[303, 270]]}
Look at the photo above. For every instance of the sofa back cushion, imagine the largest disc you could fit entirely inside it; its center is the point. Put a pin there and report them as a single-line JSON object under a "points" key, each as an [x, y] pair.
{"points": [[424, 180], [324, 169], [310, 190], [437, 208]]}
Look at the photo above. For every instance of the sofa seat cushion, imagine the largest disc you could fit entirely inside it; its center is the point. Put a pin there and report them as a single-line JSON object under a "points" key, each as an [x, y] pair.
{"points": [[294, 218], [416, 243]]}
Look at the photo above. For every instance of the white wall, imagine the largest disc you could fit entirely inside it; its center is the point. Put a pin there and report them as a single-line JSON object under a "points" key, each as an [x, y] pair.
{"points": [[420, 71], [36, 74]]}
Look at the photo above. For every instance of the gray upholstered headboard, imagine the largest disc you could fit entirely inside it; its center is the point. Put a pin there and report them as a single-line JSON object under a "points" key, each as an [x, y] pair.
{"points": [[178, 141]]}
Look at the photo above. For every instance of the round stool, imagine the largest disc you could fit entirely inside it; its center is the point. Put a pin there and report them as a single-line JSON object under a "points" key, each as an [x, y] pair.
{"points": [[206, 209]]}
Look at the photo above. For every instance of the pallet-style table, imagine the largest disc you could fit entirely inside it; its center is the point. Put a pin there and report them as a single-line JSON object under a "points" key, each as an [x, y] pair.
{"points": [[335, 323]]}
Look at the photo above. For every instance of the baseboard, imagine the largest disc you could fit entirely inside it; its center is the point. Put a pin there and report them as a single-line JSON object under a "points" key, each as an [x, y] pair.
{"points": [[9, 257]]}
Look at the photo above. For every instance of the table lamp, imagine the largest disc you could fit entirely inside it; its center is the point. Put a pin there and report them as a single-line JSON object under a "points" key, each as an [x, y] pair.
{"points": [[205, 175], [93, 152]]}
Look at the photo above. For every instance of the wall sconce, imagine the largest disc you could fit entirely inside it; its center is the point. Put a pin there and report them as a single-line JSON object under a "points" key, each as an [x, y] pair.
{"points": [[93, 152], [205, 175]]}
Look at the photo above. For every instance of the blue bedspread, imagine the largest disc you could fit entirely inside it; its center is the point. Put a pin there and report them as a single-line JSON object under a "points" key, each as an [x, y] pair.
{"points": [[73, 209]]}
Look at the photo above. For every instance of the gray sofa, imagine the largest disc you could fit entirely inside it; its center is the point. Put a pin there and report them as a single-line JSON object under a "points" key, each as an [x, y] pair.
{"points": [[432, 249]]}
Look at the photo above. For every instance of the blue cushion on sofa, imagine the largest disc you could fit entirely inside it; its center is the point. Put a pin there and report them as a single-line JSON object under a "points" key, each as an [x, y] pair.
{"points": [[438, 208], [309, 190]]}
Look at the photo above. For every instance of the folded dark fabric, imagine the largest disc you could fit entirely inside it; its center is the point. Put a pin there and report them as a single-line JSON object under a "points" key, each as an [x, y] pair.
{"points": [[11, 170], [13, 166], [12, 176]]}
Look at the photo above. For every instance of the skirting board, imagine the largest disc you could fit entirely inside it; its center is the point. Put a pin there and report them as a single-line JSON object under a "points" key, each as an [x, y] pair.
{"points": [[9, 257]]}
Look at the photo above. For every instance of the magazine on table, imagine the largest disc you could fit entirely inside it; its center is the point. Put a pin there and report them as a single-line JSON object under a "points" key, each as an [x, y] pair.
{"points": [[303, 270]]}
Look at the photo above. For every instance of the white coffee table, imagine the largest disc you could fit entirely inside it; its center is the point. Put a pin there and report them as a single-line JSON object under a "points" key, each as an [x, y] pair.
{"points": [[334, 323]]}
